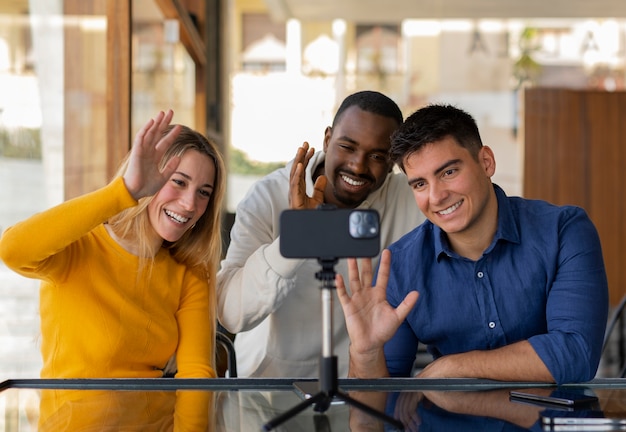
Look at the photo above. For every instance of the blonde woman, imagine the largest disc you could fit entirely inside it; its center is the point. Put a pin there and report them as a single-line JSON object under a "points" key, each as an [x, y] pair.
{"points": [[128, 271]]}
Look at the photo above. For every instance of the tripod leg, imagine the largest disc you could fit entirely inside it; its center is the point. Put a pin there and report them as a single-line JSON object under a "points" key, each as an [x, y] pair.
{"points": [[319, 397], [321, 423], [323, 405], [369, 410]]}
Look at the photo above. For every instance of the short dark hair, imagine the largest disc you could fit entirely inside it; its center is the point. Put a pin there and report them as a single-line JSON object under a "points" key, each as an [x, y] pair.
{"points": [[433, 123], [373, 102]]}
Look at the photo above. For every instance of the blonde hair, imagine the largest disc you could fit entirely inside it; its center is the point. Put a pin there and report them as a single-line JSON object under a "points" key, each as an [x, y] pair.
{"points": [[199, 248]]}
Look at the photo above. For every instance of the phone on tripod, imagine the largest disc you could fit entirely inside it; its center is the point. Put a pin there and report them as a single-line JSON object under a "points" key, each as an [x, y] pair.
{"points": [[326, 233]]}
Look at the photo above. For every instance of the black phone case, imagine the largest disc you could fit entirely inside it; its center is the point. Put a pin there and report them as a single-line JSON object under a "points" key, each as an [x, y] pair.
{"points": [[324, 234]]}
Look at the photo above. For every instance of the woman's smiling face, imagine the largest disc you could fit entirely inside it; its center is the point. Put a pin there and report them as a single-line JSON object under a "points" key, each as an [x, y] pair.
{"points": [[184, 197]]}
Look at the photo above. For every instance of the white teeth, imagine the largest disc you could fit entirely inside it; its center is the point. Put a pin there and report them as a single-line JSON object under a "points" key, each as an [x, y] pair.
{"points": [[352, 182], [450, 209], [178, 218]]}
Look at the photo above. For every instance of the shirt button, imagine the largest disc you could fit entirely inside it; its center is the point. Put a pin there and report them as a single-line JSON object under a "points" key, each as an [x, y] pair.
{"points": [[492, 325], [480, 274]]}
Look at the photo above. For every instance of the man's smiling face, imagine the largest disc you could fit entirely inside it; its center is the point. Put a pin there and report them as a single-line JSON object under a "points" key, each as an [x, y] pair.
{"points": [[357, 160], [451, 187]]}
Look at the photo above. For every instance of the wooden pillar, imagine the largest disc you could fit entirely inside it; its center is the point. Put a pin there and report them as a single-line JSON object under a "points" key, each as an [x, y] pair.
{"points": [[119, 82], [85, 57]]}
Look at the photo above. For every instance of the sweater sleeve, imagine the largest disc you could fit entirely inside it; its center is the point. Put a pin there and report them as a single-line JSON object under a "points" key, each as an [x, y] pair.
{"points": [[28, 245]]}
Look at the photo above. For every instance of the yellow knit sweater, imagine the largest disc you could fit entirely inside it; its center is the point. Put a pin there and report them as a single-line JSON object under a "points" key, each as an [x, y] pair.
{"points": [[100, 316]]}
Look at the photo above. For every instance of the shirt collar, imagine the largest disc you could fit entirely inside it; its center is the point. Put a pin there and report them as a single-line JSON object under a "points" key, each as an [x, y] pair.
{"points": [[507, 230]]}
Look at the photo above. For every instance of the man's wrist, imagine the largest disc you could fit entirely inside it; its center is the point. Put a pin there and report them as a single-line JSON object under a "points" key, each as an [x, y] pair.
{"points": [[370, 364]]}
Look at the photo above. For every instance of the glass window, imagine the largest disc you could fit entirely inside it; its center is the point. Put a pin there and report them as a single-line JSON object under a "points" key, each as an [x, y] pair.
{"points": [[378, 49], [163, 72], [52, 116], [264, 47], [53, 135]]}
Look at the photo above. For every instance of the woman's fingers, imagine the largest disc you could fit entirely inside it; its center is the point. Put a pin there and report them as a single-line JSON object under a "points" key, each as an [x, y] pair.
{"points": [[143, 176], [152, 131], [139, 136]]}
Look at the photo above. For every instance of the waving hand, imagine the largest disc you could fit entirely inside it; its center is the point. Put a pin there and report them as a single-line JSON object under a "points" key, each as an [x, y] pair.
{"points": [[370, 319], [298, 199], [143, 176]]}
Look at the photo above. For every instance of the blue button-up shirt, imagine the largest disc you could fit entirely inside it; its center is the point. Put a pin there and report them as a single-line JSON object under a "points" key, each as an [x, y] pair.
{"points": [[541, 279]]}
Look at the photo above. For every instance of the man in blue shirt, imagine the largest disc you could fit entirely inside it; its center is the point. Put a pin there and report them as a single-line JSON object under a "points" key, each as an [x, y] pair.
{"points": [[509, 289]]}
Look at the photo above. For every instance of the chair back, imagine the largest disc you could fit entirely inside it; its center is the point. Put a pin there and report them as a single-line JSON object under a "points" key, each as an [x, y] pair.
{"points": [[226, 344]]}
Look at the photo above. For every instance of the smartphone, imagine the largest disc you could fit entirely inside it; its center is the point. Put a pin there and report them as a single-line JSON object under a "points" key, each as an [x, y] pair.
{"points": [[307, 389], [551, 423], [329, 233], [597, 422], [558, 398]]}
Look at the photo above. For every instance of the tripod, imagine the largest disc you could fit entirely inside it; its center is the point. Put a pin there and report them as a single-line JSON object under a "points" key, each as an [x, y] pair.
{"points": [[329, 388]]}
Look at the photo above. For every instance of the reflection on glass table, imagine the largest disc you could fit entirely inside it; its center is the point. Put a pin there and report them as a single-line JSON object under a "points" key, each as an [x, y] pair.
{"points": [[234, 404]]}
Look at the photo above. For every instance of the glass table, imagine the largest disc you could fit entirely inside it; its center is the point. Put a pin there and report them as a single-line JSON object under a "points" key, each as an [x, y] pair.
{"points": [[253, 404]]}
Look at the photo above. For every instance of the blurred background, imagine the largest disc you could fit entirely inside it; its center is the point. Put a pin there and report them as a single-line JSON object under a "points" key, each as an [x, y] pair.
{"points": [[544, 80]]}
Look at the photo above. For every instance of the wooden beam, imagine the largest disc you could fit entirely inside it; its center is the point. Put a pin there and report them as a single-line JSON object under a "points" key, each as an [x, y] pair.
{"points": [[189, 34], [119, 82], [198, 9]]}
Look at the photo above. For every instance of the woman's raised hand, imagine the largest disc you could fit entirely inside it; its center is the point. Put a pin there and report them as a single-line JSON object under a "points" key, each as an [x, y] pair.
{"points": [[143, 176]]}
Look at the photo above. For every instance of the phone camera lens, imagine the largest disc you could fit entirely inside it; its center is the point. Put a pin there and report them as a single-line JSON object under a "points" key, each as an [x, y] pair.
{"points": [[356, 217], [363, 224]]}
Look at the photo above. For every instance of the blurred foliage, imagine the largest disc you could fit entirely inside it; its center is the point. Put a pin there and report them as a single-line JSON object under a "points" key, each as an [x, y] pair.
{"points": [[25, 143], [525, 68], [240, 163], [20, 143]]}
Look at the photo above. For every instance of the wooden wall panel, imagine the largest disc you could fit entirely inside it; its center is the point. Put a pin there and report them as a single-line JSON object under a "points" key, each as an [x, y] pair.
{"points": [[571, 158], [620, 185], [606, 161], [597, 135], [85, 101], [575, 154], [556, 171]]}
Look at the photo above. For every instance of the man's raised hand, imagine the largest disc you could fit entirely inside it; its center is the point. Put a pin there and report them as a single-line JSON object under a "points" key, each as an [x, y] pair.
{"points": [[370, 319], [298, 199]]}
